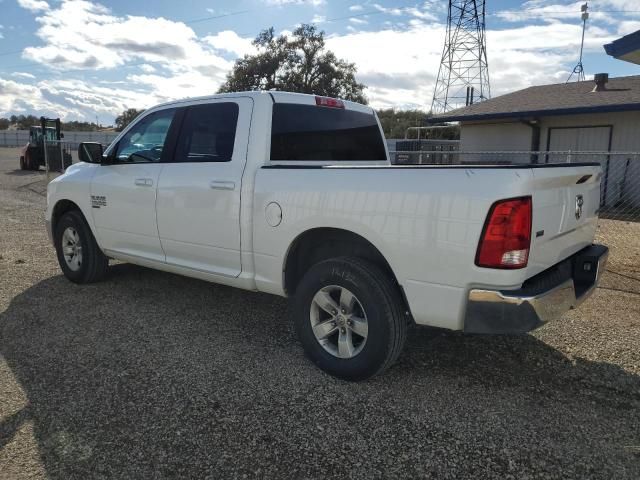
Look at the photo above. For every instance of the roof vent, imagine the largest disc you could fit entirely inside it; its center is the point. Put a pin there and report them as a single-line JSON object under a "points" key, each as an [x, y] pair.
{"points": [[600, 79]]}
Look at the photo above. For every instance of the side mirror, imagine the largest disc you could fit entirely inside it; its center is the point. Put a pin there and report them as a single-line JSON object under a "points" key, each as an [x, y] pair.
{"points": [[90, 152]]}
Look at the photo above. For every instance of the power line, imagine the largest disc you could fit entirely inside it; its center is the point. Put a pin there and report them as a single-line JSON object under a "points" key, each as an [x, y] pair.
{"points": [[197, 20], [551, 13], [522, 13], [214, 17]]}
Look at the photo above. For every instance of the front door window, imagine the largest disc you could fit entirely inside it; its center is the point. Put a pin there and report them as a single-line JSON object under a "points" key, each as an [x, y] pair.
{"points": [[144, 142]]}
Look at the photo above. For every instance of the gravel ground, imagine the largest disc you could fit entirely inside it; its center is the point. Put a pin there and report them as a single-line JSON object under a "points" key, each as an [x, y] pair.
{"points": [[153, 375]]}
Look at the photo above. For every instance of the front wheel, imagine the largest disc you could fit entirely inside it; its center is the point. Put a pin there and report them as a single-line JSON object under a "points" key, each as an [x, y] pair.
{"points": [[79, 256], [350, 318]]}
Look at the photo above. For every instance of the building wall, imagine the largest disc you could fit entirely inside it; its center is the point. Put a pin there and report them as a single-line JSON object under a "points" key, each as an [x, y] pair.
{"points": [[621, 172], [499, 136], [514, 135]]}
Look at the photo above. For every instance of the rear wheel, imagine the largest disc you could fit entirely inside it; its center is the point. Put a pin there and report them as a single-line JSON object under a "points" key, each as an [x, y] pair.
{"points": [[31, 161], [349, 318], [79, 256]]}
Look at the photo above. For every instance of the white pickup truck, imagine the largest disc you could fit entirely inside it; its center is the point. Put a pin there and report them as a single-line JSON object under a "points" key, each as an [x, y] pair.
{"points": [[294, 195]]}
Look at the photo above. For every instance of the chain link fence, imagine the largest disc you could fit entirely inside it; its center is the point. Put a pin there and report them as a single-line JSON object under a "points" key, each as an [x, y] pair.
{"points": [[57, 156], [19, 138]]}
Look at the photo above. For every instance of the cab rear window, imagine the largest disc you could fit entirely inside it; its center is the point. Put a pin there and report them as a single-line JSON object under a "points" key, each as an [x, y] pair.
{"points": [[316, 133]]}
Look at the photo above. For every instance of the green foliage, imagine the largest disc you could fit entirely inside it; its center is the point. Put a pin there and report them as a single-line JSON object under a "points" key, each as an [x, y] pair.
{"points": [[395, 124], [23, 122], [126, 117], [299, 63], [78, 126]]}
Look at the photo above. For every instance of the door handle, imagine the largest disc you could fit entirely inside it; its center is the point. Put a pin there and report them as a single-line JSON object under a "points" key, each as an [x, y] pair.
{"points": [[144, 182], [222, 185]]}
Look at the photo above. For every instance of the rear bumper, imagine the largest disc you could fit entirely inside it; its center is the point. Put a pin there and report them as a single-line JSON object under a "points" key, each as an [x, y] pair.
{"points": [[541, 299]]}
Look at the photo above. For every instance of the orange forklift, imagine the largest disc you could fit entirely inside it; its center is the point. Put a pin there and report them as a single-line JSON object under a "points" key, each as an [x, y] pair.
{"points": [[46, 135]]}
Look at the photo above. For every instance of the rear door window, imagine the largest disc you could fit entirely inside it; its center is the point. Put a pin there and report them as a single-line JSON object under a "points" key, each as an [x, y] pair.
{"points": [[208, 133], [309, 132]]}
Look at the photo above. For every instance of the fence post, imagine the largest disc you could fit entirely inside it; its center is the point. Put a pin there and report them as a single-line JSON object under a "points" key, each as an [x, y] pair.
{"points": [[62, 169], [46, 157]]}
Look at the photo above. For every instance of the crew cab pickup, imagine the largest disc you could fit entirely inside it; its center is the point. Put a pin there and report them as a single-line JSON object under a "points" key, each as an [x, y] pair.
{"points": [[294, 195]]}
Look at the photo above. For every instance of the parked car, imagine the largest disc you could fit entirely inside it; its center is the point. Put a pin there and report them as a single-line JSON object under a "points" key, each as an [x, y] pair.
{"points": [[294, 195]]}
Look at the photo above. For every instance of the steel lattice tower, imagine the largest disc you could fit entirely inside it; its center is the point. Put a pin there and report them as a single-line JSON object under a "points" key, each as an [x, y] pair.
{"points": [[463, 77]]}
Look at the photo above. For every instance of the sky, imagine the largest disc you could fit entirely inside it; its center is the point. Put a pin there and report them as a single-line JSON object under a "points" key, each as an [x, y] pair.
{"points": [[89, 60]]}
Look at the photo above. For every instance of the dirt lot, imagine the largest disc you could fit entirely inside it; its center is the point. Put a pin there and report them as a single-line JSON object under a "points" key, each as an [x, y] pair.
{"points": [[153, 375]]}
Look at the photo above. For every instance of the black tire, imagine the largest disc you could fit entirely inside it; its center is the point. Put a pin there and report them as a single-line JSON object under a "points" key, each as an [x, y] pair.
{"points": [[23, 166], [94, 264], [31, 161], [379, 298]]}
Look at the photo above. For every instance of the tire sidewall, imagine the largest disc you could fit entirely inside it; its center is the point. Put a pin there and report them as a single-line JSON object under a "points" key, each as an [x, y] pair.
{"points": [[375, 303], [73, 219]]}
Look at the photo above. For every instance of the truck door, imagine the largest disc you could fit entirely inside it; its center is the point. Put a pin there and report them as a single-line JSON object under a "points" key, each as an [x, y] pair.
{"points": [[123, 193], [198, 205]]}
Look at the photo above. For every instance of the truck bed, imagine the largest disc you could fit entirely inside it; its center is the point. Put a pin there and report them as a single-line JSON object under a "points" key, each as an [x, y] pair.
{"points": [[426, 220]]}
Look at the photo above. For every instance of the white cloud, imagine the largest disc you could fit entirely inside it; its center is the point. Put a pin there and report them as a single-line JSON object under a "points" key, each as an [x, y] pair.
{"points": [[230, 41], [23, 75], [389, 10], [87, 36], [553, 11], [80, 34], [166, 59], [318, 18], [315, 3], [421, 14], [400, 66], [358, 21], [356, 8], [34, 5]]}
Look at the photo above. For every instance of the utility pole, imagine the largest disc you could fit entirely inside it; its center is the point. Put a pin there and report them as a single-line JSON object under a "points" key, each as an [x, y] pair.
{"points": [[578, 70]]}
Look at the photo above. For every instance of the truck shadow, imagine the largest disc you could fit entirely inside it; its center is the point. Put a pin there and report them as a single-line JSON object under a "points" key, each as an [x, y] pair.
{"points": [[151, 374], [25, 173]]}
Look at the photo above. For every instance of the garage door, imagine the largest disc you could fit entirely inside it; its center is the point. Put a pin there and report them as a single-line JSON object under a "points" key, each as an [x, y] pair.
{"points": [[581, 139]]}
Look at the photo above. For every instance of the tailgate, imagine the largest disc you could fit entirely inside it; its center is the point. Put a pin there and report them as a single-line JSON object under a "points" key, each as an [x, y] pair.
{"points": [[566, 200]]}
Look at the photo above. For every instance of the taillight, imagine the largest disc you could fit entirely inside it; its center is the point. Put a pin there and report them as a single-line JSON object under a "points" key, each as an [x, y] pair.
{"points": [[506, 237], [329, 102]]}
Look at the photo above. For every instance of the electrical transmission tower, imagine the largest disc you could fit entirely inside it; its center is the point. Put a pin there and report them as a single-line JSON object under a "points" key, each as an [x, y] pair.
{"points": [[463, 77]]}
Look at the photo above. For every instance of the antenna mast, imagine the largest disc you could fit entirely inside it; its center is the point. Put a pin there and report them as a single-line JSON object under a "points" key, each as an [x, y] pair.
{"points": [[463, 77], [578, 70]]}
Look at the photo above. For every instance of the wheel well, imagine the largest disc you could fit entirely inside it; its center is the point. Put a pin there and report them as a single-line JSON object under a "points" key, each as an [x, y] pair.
{"points": [[62, 207], [318, 244]]}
